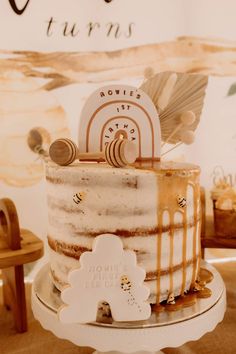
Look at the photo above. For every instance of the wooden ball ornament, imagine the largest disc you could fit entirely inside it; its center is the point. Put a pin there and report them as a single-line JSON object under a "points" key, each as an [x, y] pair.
{"points": [[118, 153], [63, 151], [188, 118], [187, 137]]}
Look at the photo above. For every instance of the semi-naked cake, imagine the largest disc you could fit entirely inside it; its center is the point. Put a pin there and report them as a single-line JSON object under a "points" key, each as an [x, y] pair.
{"points": [[154, 210], [153, 206]]}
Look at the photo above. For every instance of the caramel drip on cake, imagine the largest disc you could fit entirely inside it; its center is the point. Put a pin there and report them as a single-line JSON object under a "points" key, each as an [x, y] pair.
{"points": [[182, 187], [184, 250], [196, 265], [153, 223], [159, 239], [205, 276], [171, 251], [172, 185], [204, 294], [199, 238]]}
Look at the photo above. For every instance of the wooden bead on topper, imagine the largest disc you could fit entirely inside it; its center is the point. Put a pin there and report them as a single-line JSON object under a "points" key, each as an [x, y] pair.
{"points": [[188, 118], [187, 137], [63, 151], [118, 153]]}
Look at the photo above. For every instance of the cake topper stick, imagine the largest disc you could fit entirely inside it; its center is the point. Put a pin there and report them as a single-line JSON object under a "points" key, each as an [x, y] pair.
{"points": [[187, 137], [173, 148], [118, 153]]}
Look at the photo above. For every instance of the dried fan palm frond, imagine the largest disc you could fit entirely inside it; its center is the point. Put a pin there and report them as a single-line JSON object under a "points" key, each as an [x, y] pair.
{"points": [[174, 94]]}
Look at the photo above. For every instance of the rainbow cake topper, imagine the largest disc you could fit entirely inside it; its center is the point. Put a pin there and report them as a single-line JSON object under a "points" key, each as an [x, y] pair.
{"points": [[120, 111], [166, 108], [121, 124]]}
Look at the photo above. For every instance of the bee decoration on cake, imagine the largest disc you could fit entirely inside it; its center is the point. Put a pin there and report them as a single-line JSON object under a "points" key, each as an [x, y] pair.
{"points": [[125, 283], [126, 286], [197, 287], [182, 202], [105, 309], [78, 197], [171, 299]]}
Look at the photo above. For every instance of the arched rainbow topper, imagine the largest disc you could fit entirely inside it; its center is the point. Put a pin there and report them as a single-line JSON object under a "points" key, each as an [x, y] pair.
{"points": [[120, 111]]}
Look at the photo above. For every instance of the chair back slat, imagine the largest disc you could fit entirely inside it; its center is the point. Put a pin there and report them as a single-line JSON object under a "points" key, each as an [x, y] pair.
{"points": [[9, 224]]}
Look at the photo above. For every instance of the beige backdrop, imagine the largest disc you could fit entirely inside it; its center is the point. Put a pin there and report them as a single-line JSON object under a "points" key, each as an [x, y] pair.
{"points": [[52, 58]]}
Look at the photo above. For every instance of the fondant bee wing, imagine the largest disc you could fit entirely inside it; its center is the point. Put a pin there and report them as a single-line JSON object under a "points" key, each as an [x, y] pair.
{"points": [[173, 94]]}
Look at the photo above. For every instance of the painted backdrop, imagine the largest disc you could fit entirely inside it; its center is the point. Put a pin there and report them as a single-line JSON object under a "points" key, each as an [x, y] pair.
{"points": [[53, 56]]}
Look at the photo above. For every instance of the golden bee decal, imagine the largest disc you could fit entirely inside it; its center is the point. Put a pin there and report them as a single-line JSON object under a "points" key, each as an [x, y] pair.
{"points": [[182, 202], [78, 197], [126, 286], [171, 299], [196, 287], [125, 283]]}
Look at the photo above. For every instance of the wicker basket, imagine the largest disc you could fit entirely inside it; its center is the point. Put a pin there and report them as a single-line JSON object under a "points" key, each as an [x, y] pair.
{"points": [[225, 222]]}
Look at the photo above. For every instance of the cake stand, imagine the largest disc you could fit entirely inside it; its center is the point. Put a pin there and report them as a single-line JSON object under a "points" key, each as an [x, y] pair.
{"points": [[166, 329]]}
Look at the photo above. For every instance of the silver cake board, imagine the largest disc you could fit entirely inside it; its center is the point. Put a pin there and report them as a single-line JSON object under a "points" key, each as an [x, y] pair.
{"points": [[165, 329]]}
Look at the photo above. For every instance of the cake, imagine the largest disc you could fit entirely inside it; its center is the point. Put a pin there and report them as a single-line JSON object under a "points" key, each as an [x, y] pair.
{"points": [[152, 205], [155, 211]]}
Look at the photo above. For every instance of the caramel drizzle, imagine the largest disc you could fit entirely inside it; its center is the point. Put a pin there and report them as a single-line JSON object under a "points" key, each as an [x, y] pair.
{"points": [[180, 184], [205, 276], [159, 242], [183, 183], [199, 231], [196, 265], [170, 186], [184, 251], [171, 262]]}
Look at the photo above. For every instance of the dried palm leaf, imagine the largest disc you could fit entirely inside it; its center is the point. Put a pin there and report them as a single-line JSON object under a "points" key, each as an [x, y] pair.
{"points": [[173, 94]]}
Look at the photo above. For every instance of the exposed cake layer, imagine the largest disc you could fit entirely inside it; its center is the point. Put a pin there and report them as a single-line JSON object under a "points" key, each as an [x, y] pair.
{"points": [[61, 265], [144, 246], [155, 211]]}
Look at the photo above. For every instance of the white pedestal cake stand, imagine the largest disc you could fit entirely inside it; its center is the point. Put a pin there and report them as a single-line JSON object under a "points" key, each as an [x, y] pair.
{"points": [[166, 329]]}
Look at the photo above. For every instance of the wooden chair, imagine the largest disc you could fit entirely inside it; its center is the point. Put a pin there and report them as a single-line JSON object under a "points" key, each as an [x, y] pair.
{"points": [[17, 247]]}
